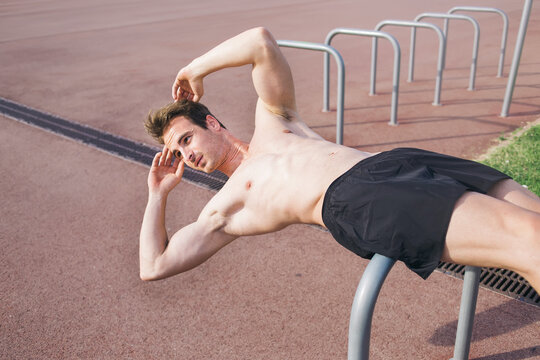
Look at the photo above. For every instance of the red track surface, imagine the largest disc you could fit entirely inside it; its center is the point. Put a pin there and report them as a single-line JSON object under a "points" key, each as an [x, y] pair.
{"points": [[69, 286]]}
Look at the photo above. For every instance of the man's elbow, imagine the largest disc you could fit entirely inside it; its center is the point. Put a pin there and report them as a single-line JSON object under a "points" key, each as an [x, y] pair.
{"points": [[155, 272], [145, 277], [151, 272], [148, 276], [263, 33], [264, 38]]}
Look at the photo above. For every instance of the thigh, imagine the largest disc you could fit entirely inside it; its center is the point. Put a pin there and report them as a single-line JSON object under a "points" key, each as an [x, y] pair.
{"points": [[485, 231]]}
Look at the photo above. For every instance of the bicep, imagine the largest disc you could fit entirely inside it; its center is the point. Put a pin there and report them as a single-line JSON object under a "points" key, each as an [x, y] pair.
{"points": [[190, 247]]}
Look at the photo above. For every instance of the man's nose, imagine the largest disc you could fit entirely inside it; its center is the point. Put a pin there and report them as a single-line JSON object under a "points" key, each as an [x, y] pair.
{"points": [[187, 154]]}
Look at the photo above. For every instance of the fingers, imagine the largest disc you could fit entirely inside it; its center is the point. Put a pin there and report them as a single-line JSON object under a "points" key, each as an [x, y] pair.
{"points": [[174, 91], [186, 87], [180, 88], [166, 158], [179, 165], [155, 162], [180, 93], [176, 86]]}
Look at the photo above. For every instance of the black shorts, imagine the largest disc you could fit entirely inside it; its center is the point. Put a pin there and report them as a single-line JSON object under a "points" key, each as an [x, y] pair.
{"points": [[399, 203]]}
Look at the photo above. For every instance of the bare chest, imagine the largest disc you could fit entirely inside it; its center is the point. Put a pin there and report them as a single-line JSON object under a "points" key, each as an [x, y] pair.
{"points": [[272, 190]]}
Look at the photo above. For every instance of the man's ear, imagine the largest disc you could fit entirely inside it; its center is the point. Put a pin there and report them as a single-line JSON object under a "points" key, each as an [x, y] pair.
{"points": [[212, 123]]}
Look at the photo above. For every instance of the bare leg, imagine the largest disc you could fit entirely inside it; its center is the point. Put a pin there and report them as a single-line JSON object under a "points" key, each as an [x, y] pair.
{"points": [[511, 191], [488, 232]]}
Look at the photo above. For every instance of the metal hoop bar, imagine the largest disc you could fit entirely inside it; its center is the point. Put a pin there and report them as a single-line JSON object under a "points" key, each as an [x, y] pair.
{"points": [[364, 304], [469, 294], [472, 76], [442, 51], [341, 77], [397, 61], [504, 32]]}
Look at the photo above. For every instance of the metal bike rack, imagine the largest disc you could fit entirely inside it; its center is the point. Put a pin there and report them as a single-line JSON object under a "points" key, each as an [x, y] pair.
{"points": [[442, 51], [397, 62], [504, 31], [447, 17], [341, 77], [366, 296], [363, 305], [517, 57]]}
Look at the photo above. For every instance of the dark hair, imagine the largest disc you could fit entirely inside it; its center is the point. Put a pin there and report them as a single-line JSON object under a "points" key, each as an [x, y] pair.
{"points": [[157, 121]]}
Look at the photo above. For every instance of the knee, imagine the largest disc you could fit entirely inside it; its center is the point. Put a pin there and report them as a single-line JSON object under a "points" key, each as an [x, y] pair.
{"points": [[527, 229], [534, 228]]}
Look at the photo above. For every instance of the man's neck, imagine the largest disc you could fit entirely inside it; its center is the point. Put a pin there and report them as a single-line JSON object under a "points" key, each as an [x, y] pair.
{"points": [[236, 154]]}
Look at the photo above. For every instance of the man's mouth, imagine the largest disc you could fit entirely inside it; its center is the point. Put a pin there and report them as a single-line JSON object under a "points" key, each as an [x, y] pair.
{"points": [[198, 161]]}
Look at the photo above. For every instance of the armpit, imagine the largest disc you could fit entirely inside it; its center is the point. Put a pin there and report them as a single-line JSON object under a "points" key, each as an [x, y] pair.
{"points": [[282, 112], [216, 217], [216, 221], [286, 114]]}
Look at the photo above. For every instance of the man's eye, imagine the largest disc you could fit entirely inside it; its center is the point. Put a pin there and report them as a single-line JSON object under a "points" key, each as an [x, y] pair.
{"points": [[187, 139], [178, 155]]}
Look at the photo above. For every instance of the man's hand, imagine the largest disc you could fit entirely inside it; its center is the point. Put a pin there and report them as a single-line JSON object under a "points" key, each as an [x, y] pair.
{"points": [[187, 86], [165, 173]]}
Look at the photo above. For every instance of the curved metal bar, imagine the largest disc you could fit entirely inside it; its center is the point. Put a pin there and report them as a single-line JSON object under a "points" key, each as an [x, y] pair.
{"points": [[442, 51], [447, 17], [364, 304], [397, 62], [517, 57], [341, 77], [504, 32], [469, 294]]}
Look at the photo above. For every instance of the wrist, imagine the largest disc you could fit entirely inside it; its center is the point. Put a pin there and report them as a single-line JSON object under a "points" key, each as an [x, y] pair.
{"points": [[157, 196], [195, 69]]}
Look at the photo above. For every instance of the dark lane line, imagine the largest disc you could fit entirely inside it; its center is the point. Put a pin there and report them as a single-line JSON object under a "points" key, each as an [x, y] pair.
{"points": [[112, 144]]}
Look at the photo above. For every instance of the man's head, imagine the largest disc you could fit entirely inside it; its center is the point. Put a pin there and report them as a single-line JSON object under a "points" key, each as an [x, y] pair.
{"points": [[191, 133], [159, 120]]}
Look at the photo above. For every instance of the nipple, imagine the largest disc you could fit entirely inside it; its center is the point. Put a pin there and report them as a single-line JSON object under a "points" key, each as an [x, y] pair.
{"points": [[287, 131], [248, 185]]}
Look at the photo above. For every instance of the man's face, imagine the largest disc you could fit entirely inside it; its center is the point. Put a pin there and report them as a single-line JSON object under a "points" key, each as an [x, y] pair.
{"points": [[199, 148]]}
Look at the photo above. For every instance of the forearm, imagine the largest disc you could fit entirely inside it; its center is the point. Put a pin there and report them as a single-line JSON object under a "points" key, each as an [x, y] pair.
{"points": [[243, 49], [153, 237]]}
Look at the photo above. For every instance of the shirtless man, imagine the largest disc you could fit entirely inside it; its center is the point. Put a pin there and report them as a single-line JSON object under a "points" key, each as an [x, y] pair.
{"points": [[407, 204]]}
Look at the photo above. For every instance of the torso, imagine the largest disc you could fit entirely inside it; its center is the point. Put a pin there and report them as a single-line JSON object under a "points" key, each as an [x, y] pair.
{"points": [[283, 180]]}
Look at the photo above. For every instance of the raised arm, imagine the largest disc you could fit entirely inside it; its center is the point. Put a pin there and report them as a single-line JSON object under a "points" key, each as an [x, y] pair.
{"points": [[270, 71], [187, 248]]}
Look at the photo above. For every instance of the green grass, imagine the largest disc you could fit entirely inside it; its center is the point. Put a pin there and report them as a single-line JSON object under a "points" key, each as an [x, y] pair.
{"points": [[520, 159]]}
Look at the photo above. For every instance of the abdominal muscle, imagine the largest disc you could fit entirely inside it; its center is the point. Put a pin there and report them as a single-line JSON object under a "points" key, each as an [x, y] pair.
{"points": [[272, 190]]}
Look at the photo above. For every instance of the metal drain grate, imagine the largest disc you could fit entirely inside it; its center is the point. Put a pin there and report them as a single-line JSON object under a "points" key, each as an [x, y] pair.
{"points": [[499, 280], [502, 281]]}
